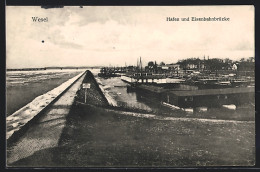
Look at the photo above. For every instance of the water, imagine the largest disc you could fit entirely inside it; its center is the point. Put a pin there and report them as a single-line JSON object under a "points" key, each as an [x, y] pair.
{"points": [[21, 117], [23, 86], [117, 89]]}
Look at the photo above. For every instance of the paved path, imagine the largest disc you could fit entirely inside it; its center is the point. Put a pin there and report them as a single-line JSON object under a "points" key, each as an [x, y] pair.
{"points": [[45, 133]]}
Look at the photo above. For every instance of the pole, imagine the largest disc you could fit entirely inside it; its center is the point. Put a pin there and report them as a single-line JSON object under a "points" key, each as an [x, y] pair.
{"points": [[85, 95]]}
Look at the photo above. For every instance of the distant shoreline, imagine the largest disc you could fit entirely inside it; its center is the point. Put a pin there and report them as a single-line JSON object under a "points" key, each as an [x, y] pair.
{"points": [[48, 68]]}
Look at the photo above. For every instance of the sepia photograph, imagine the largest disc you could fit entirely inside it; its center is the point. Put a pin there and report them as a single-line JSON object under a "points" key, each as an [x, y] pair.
{"points": [[130, 86]]}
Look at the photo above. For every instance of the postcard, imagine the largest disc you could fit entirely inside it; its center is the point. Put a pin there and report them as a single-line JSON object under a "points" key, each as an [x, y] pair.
{"points": [[130, 86]]}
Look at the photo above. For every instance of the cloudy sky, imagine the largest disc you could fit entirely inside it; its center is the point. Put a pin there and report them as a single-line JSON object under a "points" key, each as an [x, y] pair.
{"points": [[114, 36]]}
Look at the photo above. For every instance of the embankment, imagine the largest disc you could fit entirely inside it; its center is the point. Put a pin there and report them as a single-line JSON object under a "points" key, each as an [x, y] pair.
{"points": [[24, 116], [92, 95], [98, 135]]}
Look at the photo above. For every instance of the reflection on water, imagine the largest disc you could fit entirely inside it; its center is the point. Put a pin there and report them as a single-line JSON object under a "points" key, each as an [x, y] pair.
{"points": [[117, 89]]}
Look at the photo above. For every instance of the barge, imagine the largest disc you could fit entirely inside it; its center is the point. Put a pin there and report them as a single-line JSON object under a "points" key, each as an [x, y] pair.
{"points": [[151, 79], [198, 98]]}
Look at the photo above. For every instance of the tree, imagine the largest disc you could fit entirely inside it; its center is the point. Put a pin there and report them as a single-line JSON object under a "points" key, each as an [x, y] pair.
{"points": [[227, 60], [162, 64], [251, 59], [150, 63], [183, 64], [215, 64]]}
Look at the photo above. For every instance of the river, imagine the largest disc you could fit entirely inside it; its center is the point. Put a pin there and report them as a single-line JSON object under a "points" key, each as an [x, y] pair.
{"points": [[23, 86], [117, 90]]}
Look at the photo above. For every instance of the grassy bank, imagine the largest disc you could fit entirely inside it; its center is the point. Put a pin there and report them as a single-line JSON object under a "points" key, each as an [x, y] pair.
{"points": [[94, 137]]}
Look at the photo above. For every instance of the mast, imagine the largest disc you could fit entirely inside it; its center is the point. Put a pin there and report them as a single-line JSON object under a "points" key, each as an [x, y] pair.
{"points": [[137, 66], [141, 65], [141, 69]]}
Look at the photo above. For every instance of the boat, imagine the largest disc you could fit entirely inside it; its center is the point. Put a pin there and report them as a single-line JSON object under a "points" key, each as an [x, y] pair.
{"points": [[138, 76], [106, 73], [239, 82]]}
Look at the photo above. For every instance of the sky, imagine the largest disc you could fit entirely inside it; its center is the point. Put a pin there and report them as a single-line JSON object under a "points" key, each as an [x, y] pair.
{"points": [[119, 35]]}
